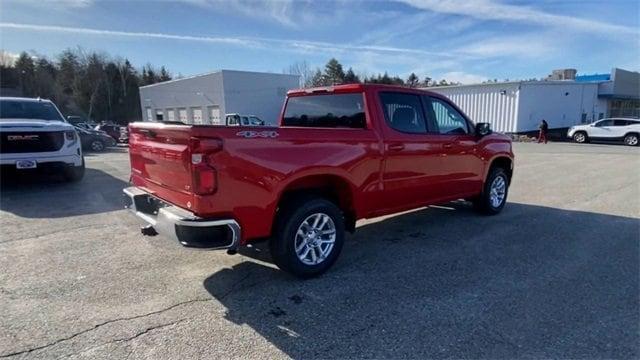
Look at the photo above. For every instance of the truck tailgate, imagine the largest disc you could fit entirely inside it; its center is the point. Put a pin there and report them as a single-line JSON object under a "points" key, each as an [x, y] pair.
{"points": [[161, 161]]}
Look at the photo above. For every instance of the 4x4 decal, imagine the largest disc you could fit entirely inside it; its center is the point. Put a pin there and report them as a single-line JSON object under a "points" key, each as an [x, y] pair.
{"points": [[255, 134]]}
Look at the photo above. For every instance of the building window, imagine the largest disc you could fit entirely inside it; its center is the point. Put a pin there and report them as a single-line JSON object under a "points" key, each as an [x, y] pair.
{"points": [[214, 115], [171, 115], [196, 113], [159, 115], [182, 116], [584, 118], [149, 114]]}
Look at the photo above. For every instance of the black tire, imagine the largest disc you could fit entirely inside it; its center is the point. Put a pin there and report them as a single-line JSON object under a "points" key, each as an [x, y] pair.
{"points": [[290, 218], [74, 173], [580, 137], [483, 203], [97, 146], [631, 140]]}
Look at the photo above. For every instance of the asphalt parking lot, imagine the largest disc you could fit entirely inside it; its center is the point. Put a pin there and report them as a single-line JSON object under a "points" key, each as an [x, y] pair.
{"points": [[556, 275]]}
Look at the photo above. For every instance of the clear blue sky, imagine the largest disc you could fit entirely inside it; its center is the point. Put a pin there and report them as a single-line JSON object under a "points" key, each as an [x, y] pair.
{"points": [[465, 41]]}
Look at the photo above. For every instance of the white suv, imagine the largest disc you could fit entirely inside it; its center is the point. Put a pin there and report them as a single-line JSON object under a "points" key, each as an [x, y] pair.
{"points": [[614, 129], [34, 135]]}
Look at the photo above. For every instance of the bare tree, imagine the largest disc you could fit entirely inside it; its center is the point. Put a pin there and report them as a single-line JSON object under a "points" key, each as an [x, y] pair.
{"points": [[303, 70]]}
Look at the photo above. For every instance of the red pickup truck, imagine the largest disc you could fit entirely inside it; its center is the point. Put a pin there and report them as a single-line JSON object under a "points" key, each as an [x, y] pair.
{"points": [[340, 154]]}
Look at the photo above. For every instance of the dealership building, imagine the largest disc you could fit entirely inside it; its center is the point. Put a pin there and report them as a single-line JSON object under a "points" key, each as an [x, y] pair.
{"points": [[563, 99], [206, 98]]}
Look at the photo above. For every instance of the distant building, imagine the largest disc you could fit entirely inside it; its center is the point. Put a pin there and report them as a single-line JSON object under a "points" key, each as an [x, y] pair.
{"points": [[519, 106], [563, 74], [205, 99]]}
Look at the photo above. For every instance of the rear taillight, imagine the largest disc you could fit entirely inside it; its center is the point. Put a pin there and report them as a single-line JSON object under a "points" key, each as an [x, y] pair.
{"points": [[203, 173], [70, 135]]}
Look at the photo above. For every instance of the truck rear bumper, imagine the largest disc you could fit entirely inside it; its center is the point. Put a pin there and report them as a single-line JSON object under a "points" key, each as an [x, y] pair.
{"points": [[181, 225]]}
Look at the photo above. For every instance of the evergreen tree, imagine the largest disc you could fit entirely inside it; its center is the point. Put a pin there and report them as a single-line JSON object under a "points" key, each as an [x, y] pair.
{"points": [[164, 74], [351, 78], [413, 81], [333, 72]]}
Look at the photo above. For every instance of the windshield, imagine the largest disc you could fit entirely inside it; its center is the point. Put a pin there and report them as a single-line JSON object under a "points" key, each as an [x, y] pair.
{"points": [[16, 109]]}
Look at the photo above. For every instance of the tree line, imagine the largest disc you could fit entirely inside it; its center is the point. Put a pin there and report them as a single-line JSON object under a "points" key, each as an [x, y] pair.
{"points": [[333, 74], [89, 84]]}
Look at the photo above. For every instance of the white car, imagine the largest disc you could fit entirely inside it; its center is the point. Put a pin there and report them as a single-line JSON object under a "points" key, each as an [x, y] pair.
{"points": [[34, 135], [613, 129]]}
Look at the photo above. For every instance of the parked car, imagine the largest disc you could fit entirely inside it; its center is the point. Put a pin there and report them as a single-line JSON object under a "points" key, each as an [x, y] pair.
{"points": [[94, 140], [76, 120], [613, 129], [34, 135], [117, 132], [243, 120], [340, 154]]}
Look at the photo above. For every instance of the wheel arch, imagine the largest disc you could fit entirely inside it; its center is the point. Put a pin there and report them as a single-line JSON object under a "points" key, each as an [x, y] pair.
{"points": [[333, 187], [502, 161]]}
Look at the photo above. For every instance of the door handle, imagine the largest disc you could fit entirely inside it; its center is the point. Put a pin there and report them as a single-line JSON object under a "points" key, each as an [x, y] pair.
{"points": [[447, 145], [396, 147]]}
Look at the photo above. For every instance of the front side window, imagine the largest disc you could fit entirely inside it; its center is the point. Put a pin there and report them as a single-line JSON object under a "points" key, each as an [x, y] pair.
{"points": [[41, 110], [448, 119], [403, 112], [328, 111]]}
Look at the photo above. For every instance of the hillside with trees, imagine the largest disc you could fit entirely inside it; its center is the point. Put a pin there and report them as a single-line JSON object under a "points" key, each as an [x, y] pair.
{"points": [[93, 85]]}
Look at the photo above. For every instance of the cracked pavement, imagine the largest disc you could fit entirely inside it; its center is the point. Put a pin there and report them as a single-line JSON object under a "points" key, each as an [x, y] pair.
{"points": [[555, 275]]}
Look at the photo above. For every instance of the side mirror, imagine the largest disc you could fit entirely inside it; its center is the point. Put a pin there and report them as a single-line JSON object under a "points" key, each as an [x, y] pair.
{"points": [[483, 129]]}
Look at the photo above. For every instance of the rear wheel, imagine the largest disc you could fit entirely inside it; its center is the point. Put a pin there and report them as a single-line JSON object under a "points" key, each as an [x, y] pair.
{"points": [[74, 173], [309, 236], [494, 194], [580, 137], [631, 140]]}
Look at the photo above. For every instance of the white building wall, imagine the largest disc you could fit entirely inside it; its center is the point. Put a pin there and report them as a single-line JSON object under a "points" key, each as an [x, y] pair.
{"points": [[183, 96], [520, 106], [196, 98], [260, 94], [496, 104], [561, 104]]}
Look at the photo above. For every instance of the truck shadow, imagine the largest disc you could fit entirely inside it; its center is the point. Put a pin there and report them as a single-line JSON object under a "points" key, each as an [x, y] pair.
{"points": [[38, 195], [445, 282]]}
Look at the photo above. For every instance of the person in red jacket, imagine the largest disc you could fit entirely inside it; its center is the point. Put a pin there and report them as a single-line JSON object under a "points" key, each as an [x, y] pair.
{"points": [[544, 128]]}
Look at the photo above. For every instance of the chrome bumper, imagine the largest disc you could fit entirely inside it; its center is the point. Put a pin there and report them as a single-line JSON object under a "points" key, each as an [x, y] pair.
{"points": [[181, 225]]}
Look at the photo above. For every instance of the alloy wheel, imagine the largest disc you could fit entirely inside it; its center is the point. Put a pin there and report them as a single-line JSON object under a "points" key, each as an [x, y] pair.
{"points": [[315, 239]]}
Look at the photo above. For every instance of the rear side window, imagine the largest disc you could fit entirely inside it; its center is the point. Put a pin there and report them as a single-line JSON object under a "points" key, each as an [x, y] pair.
{"points": [[403, 112], [329, 111]]}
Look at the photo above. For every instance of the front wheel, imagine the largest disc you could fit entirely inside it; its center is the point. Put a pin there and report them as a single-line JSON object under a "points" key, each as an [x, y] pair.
{"points": [[494, 194], [309, 237], [631, 140]]}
